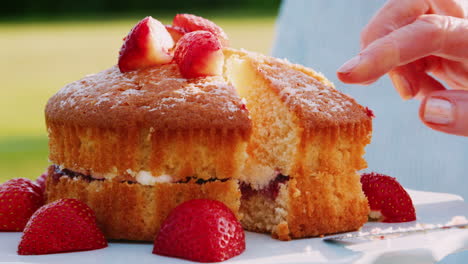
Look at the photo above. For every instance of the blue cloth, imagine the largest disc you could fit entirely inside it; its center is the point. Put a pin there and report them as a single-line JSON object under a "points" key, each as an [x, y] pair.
{"points": [[323, 35]]}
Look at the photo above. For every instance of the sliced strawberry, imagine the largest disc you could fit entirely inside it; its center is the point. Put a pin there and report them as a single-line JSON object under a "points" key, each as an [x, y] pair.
{"points": [[41, 181], [200, 230], [388, 201], [147, 44], [62, 226], [199, 54], [176, 32], [19, 199], [193, 23]]}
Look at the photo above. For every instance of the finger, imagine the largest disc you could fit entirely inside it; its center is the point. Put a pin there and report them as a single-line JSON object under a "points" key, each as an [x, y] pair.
{"points": [[426, 84], [446, 111], [404, 81], [396, 13], [428, 35], [454, 73], [411, 80], [393, 15], [455, 8], [370, 82]]}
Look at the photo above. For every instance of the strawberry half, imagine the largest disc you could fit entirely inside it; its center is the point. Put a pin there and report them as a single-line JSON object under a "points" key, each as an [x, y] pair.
{"points": [[388, 201], [19, 199], [193, 23], [199, 54], [62, 226], [200, 230], [176, 32], [147, 44]]}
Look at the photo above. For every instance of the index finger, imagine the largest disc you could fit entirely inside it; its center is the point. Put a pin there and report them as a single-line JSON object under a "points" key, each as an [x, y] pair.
{"points": [[398, 13], [441, 36], [393, 15]]}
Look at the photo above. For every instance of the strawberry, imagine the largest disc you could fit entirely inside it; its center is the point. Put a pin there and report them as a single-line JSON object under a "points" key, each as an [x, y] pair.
{"points": [[19, 199], [41, 181], [200, 230], [369, 112], [388, 201], [147, 44], [62, 226], [199, 54], [193, 23], [176, 32]]}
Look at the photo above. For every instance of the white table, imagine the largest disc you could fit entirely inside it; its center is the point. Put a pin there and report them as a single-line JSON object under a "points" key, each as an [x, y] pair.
{"points": [[431, 208]]}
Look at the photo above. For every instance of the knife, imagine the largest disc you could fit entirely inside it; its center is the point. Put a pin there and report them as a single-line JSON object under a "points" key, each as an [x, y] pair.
{"points": [[380, 234]]}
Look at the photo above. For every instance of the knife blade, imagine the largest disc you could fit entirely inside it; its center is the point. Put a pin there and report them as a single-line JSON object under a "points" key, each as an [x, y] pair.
{"points": [[380, 234]]}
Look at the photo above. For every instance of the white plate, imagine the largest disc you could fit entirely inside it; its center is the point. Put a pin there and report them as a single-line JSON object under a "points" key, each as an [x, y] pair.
{"points": [[431, 208]]}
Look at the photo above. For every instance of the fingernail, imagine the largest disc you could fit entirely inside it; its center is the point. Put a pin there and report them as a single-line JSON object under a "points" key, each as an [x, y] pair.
{"points": [[402, 85], [438, 111], [349, 65]]}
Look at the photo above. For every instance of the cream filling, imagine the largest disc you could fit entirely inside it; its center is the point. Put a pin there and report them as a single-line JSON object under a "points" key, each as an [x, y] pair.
{"points": [[142, 177], [458, 220], [375, 215], [146, 178]]}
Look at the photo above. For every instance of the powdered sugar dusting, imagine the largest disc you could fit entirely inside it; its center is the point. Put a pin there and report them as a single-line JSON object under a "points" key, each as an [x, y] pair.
{"points": [[157, 96], [302, 91], [73, 95], [197, 92], [154, 89], [132, 92]]}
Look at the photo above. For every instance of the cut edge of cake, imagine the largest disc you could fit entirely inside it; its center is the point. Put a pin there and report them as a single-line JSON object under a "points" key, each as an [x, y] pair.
{"points": [[318, 151]]}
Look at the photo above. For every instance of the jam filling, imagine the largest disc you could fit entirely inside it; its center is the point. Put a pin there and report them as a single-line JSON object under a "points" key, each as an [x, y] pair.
{"points": [[58, 173], [73, 174], [201, 181], [270, 191]]}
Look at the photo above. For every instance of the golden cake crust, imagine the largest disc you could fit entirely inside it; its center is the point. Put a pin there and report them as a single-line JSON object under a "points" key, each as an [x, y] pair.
{"points": [[127, 211], [313, 98], [157, 97]]}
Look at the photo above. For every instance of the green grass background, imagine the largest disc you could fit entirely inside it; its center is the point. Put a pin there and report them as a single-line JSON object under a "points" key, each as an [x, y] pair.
{"points": [[37, 59]]}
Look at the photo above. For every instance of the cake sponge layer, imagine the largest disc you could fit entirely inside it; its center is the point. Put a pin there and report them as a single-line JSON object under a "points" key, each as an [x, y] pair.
{"points": [[307, 207], [131, 211], [123, 152]]}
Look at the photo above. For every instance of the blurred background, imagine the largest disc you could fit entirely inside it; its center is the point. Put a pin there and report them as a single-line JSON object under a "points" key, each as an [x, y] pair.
{"points": [[49, 43]]}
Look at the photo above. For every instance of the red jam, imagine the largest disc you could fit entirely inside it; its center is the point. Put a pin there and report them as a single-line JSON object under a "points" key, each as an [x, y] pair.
{"points": [[271, 190]]}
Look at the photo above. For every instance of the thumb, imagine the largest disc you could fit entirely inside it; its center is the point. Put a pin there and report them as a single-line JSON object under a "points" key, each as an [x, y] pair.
{"points": [[446, 111]]}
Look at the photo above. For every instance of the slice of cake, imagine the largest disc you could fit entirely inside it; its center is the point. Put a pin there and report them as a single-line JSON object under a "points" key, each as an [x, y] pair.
{"points": [[134, 145], [306, 147]]}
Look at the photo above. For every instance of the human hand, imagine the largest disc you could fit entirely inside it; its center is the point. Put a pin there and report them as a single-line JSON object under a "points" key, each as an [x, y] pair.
{"points": [[411, 39]]}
